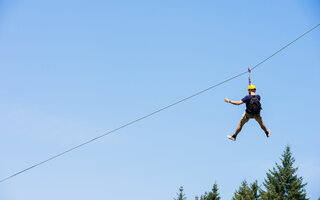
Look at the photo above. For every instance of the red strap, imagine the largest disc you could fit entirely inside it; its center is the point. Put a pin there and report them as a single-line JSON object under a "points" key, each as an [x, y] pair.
{"points": [[249, 70]]}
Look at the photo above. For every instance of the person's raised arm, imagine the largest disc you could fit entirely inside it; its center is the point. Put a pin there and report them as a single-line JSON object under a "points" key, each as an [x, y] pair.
{"points": [[233, 102]]}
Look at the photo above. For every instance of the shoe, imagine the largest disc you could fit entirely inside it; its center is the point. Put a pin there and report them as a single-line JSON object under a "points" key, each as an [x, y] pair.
{"points": [[268, 133], [231, 137]]}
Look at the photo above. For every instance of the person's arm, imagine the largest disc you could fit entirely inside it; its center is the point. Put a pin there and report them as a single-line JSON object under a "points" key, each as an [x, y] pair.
{"points": [[233, 102]]}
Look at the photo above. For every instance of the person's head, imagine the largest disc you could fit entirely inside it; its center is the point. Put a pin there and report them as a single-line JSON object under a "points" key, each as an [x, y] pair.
{"points": [[252, 88]]}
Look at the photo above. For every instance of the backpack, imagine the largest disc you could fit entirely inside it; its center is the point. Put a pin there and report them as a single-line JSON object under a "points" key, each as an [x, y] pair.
{"points": [[254, 105]]}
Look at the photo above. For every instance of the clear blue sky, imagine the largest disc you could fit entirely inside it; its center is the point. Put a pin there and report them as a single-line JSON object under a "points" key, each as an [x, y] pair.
{"points": [[73, 70]]}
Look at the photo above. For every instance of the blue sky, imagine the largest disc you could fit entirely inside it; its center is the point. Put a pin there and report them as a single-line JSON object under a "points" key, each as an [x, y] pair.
{"points": [[73, 70]]}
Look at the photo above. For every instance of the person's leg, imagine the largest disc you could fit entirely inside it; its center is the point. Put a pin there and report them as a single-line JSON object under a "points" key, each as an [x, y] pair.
{"points": [[244, 119], [239, 128], [262, 125]]}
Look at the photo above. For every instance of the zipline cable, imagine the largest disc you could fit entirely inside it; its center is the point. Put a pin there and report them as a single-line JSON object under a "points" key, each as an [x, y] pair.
{"points": [[285, 47], [155, 112]]}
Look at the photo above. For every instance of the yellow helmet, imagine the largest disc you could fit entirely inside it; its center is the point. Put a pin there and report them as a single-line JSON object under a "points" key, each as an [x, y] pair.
{"points": [[252, 87]]}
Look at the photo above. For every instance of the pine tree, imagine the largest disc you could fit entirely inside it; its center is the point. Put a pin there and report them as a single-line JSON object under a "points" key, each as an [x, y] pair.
{"points": [[247, 193], [255, 190], [213, 195], [181, 195], [282, 183], [204, 197]]}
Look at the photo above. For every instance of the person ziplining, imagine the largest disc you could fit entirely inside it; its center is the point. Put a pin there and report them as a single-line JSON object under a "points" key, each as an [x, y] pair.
{"points": [[253, 108]]}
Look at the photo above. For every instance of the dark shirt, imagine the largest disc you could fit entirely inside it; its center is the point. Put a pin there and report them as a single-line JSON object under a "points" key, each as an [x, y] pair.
{"points": [[246, 100]]}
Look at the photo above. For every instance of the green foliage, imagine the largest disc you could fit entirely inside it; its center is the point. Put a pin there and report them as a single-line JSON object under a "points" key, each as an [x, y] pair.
{"points": [[181, 195], [255, 190], [204, 197], [247, 193], [212, 195], [282, 183]]}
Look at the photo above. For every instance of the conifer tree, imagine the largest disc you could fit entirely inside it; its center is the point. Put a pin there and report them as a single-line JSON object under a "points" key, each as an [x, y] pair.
{"points": [[247, 193], [282, 183], [181, 195], [255, 190], [212, 195], [204, 197]]}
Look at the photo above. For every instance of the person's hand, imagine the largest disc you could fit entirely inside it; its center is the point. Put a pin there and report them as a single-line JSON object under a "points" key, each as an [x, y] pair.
{"points": [[226, 100]]}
